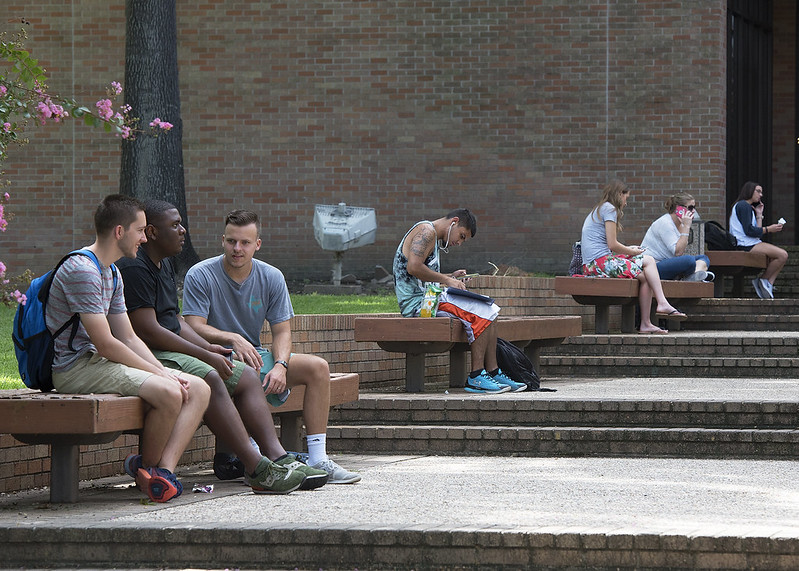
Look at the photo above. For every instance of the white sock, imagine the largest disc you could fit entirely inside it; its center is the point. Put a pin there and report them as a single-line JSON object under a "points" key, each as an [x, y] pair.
{"points": [[317, 448]]}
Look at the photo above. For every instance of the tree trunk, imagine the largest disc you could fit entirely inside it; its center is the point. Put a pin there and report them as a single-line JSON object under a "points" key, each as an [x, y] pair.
{"points": [[152, 167]]}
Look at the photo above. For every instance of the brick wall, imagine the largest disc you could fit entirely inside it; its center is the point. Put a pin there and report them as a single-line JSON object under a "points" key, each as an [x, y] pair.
{"points": [[329, 336], [783, 129], [520, 110]]}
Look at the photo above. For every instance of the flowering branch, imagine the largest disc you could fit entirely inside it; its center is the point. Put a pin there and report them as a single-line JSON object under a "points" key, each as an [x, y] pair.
{"points": [[24, 98]]}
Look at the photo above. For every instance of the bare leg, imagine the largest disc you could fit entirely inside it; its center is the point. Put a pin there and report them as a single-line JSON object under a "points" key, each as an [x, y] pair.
{"points": [[776, 259], [489, 337], [314, 373], [165, 401], [225, 422], [184, 426], [652, 278], [255, 414]]}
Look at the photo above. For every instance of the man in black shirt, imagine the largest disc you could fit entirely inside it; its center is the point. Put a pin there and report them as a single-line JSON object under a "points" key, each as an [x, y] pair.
{"points": [[238, 407]]}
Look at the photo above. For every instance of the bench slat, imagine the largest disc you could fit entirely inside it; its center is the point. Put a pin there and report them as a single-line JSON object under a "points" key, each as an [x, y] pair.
{"points": [[66, 421]]}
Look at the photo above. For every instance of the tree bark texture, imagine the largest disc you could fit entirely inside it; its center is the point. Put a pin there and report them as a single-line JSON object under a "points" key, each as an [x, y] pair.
{"points": [[152, 167]]}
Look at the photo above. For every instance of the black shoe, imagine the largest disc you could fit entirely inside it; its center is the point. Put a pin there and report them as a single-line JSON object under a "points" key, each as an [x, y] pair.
{"points": [[227, 467]]}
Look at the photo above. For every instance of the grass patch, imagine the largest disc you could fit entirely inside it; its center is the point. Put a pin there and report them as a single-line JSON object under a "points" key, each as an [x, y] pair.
{"points": [[303, 305]]}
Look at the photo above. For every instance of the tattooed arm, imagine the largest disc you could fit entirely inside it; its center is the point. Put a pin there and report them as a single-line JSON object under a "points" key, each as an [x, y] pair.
{"points": [[420, 246]]}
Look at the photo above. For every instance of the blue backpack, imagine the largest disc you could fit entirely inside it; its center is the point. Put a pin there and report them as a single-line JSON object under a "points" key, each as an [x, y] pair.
{"points": [[33, 342]]}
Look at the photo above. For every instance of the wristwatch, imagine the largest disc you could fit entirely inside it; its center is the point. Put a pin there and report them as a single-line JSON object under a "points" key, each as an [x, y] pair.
{"points": [[282, 362]]}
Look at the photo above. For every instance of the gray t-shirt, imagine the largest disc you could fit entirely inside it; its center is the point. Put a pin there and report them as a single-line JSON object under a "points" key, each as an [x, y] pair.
{"points": [[661, 238], [79, 288], [594, 241], [210, 293]]}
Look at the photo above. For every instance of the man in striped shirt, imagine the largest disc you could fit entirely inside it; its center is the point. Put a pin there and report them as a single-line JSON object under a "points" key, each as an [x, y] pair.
{"points": [[106, 356]]}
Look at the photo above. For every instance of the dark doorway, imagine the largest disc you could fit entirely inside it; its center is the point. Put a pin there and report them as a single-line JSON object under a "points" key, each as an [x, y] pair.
{"points": [[749, 96]]}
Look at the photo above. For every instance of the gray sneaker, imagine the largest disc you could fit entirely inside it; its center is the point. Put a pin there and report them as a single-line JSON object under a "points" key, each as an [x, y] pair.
{"points": [[759, 289], [337, 474], [269, 478]]}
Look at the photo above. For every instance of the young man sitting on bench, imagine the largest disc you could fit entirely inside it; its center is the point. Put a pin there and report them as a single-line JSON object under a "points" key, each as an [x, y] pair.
{"points": [[417, 264]]}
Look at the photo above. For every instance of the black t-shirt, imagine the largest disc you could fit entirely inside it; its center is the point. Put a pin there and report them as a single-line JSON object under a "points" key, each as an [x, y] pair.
{"points": [[146, 285]]}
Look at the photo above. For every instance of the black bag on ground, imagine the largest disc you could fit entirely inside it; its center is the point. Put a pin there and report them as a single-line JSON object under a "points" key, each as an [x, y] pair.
{"points": [[717, 238], [515, 364]]}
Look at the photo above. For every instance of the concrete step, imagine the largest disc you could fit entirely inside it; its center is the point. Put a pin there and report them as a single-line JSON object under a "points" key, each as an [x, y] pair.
{"points": [[732, 354], [709, 345], [540, 424], [547, 409], [428, 512], [742, 314], [741, 322], [671, 366], [566, 441]]}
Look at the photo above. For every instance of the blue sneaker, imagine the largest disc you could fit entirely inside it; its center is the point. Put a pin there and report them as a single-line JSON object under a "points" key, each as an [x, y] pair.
{"points": [[502, 379], [483, 383], [159, 484], [132, 465]]}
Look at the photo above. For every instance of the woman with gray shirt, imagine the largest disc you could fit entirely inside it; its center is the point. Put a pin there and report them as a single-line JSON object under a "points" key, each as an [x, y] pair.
{"points": [[605, 256]]}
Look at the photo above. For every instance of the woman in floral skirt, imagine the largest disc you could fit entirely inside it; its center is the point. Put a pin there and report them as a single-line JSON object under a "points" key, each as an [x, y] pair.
{"points": [[604, 256]]}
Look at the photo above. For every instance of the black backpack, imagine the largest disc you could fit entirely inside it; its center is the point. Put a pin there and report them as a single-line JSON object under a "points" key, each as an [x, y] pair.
{"points": [[717, 238], [515, 364]]}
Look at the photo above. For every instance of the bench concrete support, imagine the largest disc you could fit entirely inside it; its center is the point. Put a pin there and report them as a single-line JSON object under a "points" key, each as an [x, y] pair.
{"points": [[65, 460]]}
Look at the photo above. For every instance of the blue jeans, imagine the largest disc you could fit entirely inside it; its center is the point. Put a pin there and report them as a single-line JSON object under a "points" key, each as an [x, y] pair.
{"points": [[680, 266]]}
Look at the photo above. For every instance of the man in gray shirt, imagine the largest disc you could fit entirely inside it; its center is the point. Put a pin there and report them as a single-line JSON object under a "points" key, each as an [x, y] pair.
{"points": [[106, 355], [228, 298]]}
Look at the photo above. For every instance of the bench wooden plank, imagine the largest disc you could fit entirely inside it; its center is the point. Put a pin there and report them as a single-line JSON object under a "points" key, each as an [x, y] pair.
{"points": [[68, 421], [736, 264], [418, 336], [604, 292]]}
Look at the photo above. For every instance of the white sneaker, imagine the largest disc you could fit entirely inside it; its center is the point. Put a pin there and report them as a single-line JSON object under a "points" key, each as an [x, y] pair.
{"points": [[699, 276], [759, 290], [768, 288], [337, 474]]}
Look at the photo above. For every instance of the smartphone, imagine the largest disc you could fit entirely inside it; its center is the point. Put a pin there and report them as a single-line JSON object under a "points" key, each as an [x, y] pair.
{"points": [[680, 211]]}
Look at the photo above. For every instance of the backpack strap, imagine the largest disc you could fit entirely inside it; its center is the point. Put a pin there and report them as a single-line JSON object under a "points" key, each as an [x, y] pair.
{"points": [[44, 292]]}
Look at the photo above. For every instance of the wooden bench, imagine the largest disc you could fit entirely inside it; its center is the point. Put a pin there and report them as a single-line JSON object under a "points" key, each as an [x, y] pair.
{"points": [[67, 421], [418, 336], [604, 292], [736, 264]]}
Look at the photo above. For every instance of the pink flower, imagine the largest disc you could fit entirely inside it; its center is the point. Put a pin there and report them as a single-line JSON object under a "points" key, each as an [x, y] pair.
{"points": [[6, 196], [20, 297], [7, 127], [3, 90], [2, 269], [157, 123], [127, 132], [117, 87], [44, 110], [104, 109]]}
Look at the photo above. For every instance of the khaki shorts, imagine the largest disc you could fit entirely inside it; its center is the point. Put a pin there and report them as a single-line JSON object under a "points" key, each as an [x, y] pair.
{"points": [[195, 366], [92, 373]]}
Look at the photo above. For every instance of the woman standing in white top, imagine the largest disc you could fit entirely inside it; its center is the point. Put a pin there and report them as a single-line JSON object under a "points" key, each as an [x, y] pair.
{"points": [[746, 224]]}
